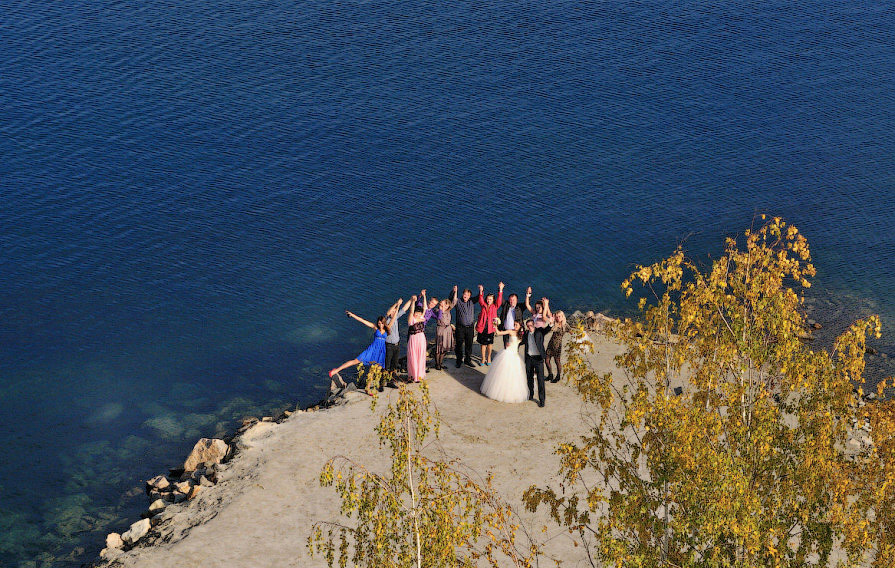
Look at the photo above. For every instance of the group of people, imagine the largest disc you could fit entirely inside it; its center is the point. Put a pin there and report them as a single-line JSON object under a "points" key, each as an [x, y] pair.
{"points": [[507, 380]]}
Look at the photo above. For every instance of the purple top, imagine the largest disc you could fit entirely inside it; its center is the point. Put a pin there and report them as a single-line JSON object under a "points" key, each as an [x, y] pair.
{"points": [[430, 312]]}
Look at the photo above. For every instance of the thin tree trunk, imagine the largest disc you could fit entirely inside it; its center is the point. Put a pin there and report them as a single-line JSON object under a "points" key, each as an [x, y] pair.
{"points": [[416, 524]]}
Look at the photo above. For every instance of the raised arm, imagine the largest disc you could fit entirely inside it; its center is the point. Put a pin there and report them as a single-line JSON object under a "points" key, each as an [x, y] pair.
{"points": [[481, 297], [411, 315], [500, 294], [394, 311], [452, 297], [406, 305], [547, 313], [528, 300], [360, 319], [476, 298]]}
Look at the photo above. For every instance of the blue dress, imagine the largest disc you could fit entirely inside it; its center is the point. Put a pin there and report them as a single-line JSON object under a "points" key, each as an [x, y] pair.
{"points": [[375, 353]]}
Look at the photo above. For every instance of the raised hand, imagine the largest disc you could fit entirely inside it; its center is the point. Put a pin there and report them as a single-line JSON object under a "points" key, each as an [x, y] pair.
{"points": [[423, 292], [455, 287], [528, 291], [500, 286], [413, 298], [481, 288]]}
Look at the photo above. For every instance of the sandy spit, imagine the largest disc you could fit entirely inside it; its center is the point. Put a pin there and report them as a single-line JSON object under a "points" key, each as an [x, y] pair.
{"points": [[261, 511]]}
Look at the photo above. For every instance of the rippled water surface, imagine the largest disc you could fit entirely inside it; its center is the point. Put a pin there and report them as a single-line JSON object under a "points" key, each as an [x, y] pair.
{"points": [[192, 193]]}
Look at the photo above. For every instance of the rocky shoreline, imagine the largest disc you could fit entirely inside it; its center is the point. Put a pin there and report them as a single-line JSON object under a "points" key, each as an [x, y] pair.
{"points": [[172, 495]]}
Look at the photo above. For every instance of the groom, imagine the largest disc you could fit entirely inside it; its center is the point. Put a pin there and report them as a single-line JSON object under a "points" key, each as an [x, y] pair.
{"points": [[510, 312], [533, 340]]}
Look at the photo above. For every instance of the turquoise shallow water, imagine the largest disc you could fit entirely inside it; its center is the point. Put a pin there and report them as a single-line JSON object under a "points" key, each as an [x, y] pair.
{"points": [[192, 194]]}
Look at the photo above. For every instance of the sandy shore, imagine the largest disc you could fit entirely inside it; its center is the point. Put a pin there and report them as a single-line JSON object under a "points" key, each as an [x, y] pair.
{"points": [[260, 513]]}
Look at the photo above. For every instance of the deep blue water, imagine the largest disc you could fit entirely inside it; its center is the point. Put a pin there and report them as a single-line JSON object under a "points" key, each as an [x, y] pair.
{"points": [[192, 193]]}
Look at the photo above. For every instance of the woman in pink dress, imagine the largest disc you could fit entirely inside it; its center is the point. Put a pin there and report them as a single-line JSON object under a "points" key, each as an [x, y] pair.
{"points": [[416, 342]]}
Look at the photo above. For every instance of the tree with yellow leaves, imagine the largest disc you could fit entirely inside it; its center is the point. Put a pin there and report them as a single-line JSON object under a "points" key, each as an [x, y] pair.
{"points": [[427, 511], [723, 439]]}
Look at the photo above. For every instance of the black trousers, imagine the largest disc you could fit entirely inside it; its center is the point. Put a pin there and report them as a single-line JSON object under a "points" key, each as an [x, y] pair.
{"points": [[534, 364], [464, 335], [391, 357]]}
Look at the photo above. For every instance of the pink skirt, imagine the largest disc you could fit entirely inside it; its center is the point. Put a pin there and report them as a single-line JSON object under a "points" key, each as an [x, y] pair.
{"points": [[416, 357]]}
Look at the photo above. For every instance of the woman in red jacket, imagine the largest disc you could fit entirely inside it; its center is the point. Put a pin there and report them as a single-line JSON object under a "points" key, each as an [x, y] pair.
{"points": [[485, 326]]}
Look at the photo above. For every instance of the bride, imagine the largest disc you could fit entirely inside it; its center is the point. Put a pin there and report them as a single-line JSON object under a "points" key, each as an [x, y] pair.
{"points": [[505, 380]]}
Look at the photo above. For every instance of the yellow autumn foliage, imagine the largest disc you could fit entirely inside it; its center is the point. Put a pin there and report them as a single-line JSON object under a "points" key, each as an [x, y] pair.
{"points": [[750, 464]]}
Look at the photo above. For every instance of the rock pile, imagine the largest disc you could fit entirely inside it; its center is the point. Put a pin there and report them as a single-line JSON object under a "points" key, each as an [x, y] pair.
{"points": [[200, 470], [592, 321]]}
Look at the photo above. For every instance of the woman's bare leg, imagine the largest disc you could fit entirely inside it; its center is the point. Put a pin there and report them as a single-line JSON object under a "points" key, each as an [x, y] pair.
{"points": [[344, 365]]}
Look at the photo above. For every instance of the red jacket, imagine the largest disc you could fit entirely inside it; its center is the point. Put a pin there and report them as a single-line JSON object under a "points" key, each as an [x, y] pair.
{"points": [[488, 313]]}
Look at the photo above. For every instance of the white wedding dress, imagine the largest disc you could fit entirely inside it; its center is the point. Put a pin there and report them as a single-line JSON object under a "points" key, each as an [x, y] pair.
{"points": [[505, 380]]}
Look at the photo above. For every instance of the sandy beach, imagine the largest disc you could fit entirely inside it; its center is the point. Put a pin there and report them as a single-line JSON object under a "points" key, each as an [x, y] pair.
{"points": [[261, 511]]}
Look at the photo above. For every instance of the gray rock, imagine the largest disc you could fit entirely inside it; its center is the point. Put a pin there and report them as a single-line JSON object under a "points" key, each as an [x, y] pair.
{"points": [[157, 506], [110, 554], [159, 482], [114, 541], [206, 450], [205, 482], [853, 446], [179, 497], [137, 531]]}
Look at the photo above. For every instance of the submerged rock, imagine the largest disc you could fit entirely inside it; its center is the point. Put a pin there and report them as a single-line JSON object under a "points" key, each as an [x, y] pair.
{"points": [[206, 450], [165, 426]]}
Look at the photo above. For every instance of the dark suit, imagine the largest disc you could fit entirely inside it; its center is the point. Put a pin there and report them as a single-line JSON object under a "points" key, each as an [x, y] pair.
{"points": [[518, 312], [465, 327], [534, 362]]}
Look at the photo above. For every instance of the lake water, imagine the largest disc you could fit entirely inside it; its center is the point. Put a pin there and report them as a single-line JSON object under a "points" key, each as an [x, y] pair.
{"points": [[193, 192]]}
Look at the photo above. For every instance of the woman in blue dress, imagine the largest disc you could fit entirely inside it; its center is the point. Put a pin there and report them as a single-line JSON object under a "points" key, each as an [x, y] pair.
{"points": [[375, 353]]}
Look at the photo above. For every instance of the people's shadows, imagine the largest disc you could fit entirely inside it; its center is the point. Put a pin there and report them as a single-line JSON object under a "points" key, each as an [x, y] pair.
{"points": [[469, 377]]}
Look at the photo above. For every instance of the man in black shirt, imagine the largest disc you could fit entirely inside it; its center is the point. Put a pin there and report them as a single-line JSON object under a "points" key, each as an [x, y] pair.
{"points": [[465, 326]]}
